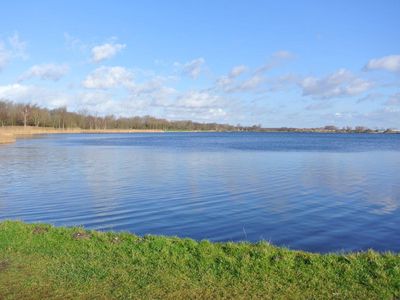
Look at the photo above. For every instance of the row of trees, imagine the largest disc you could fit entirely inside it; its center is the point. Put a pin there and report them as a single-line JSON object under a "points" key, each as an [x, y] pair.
{"points": [[328, 128], [17, 114]]}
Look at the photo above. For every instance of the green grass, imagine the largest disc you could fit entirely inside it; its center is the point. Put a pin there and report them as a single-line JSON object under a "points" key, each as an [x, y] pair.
{"points": [[41, 262]]}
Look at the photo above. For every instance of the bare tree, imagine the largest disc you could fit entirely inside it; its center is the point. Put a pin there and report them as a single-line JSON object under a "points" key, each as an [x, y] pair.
{"points": [[26, 110], [4, 112], [36, 114]]}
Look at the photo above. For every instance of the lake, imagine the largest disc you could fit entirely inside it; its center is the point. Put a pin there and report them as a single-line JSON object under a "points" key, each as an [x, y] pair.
{"points": [[310, 191]]}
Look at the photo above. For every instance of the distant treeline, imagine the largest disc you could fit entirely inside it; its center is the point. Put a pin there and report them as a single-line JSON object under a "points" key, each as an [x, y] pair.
{"points": [[330, 128], [17, 114]]}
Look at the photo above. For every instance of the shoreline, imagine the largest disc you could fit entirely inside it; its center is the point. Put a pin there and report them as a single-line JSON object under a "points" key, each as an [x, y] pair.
{"points": [[9, 134], [43, 261]]}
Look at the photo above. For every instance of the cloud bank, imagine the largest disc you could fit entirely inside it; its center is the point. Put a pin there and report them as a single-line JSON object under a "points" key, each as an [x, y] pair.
{"points": [[338, 84]]}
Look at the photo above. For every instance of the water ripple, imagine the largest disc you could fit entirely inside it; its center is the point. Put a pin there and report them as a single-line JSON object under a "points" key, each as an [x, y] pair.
{"points": [[307, 191]]}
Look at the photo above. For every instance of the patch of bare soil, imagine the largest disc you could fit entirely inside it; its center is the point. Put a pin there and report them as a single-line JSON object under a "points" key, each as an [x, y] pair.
{"points": [[81, 236]]}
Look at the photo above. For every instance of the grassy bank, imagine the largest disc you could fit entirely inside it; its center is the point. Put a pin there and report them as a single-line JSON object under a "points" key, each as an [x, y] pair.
{"points": [[40, 261]]}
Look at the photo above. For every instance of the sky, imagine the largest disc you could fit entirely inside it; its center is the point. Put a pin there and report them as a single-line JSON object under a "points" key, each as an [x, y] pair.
{"points": [[273, 63]]}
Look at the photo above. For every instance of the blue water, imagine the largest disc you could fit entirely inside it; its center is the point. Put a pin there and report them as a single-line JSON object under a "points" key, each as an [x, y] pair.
{"points": [[316, 192]]}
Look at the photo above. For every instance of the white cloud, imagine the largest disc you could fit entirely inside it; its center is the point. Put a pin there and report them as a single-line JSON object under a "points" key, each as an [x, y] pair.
{"points": [[338, 84], [194, 104], [217, 112], [46, 72], [109, 77], [35, 95], [250, 84], [227, 82], [14, 48], [197, 106], [15, 92], [106, 51], [198, 99], [237, 71], [193, 68], [99, 102], [229, 85], [136, 98], [153, 90], [275, 60], [389, 63]]}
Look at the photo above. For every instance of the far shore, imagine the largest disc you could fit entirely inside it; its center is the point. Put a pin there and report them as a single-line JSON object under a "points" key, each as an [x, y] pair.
{"points": [[9, 134]]}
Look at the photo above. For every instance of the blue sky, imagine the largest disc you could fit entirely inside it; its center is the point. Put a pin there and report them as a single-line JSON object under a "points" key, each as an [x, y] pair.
{"points": [[275, 63]]}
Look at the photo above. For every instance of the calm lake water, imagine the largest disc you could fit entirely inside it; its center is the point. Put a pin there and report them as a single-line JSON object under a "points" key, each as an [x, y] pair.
{"points": [[317, 192]]}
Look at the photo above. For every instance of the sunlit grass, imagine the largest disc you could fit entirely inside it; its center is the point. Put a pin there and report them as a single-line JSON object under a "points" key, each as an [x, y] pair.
{"points": [[41, 261]]}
